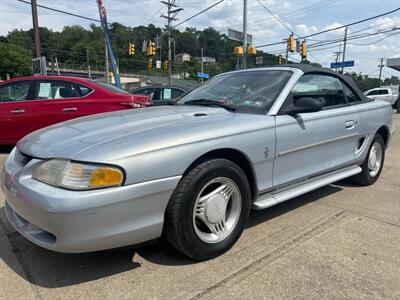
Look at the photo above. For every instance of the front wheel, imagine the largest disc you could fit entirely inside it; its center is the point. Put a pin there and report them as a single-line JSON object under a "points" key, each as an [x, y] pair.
{"points": [[208, 210], [373, 163]]}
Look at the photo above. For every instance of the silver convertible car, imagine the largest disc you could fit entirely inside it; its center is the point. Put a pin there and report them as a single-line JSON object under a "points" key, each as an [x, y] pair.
{"points": [[193, 170]]}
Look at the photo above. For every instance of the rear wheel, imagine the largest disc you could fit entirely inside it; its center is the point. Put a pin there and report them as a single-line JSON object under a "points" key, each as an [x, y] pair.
{"points": [[373, 163], [208, 210]]}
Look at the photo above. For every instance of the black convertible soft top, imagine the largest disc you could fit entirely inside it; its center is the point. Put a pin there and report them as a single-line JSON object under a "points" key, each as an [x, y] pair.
{"points": [[309, 69]]}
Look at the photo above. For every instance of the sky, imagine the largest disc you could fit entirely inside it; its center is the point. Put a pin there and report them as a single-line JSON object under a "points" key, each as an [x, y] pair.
{"points": [[301, 17]]}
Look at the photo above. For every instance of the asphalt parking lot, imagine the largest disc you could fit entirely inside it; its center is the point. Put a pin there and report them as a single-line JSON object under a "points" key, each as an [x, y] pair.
{"points": [[341, 241]]}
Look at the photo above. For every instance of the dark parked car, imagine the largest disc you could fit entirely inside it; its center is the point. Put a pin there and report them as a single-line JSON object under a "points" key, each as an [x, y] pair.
{"points": [[161, 94]]}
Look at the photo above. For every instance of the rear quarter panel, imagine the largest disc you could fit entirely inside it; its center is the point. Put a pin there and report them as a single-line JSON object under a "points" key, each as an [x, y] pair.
{"points": [[372, 116]]}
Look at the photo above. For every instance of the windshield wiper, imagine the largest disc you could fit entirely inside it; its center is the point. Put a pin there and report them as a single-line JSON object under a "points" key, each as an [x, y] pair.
{"points": [[207, 102]]}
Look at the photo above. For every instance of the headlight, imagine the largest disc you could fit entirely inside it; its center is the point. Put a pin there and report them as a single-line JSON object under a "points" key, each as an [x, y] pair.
{"points": [[77, 176]]}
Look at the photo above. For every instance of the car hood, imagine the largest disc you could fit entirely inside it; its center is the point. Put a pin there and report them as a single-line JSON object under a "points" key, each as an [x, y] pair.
{"points": [[110, 135]]}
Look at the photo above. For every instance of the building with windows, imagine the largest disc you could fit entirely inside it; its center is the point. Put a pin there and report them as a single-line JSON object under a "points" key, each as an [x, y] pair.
{"points": [[181, 58]]}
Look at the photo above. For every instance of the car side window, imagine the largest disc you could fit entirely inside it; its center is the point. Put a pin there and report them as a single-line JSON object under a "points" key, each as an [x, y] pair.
{"points": [[177, 93], [146, 92], [373, 93], [384, 92], [46, 90], [16, 91], [84, 90], [325, 88], [350, 95], [166, 94]]}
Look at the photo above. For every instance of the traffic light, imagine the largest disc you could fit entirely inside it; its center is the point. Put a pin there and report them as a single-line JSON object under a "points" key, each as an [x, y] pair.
{"points": [[238, 50], [303, 50], [251, 50], [291, 43], [280, 59], [131, 49], [151, 48], [165, 65], [150, 63]]}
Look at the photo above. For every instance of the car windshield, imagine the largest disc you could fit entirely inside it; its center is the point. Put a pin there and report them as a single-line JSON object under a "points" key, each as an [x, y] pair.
{"points": [[243, 91], [109, 87]]}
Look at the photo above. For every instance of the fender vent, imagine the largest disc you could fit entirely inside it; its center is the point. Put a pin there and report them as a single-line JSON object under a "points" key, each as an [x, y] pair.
{"points": [[361, 143]]}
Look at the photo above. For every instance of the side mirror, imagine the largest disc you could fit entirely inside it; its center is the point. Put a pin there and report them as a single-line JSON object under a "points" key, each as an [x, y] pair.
{"points": [[304, 105]]}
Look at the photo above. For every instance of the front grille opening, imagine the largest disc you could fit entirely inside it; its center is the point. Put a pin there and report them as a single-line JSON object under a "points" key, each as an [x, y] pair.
{"points": [[36, 233], [361, 143], [43, 236]]}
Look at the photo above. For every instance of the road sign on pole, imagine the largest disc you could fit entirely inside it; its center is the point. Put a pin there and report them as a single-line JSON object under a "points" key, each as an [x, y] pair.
{"points": [[203, 75], [259, 60], [238, 36], [342, 64]]}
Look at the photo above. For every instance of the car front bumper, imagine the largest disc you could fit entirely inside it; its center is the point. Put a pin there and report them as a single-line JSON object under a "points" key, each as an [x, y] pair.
{"points": [[83, 221]]}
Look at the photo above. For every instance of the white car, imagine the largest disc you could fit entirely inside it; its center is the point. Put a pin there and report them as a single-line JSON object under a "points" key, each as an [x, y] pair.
{"points": [[386, 94]]}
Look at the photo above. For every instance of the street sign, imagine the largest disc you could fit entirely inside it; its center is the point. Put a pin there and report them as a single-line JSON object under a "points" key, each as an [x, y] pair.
{"points": [[342, 64], [259, 60], [203, 75], [238, 36], [39, 66]]}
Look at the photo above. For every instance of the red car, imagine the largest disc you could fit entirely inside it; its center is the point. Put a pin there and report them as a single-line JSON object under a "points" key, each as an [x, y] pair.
{"points": [[31, 103]]}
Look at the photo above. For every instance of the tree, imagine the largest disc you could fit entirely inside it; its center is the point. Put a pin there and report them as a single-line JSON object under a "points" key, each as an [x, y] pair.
{"points": [[15, 61]]}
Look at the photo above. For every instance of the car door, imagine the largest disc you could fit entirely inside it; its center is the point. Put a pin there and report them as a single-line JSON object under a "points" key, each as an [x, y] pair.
{"points": [[313, 143], [385, 95], [373, 94], [55, 101], [15, 102]]}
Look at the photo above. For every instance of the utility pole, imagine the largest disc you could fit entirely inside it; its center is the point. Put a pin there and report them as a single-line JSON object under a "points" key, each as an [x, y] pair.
{"points": [[88, 62], [380, 71], [172, 11], [287, 52], [344, 46], [36, 28], [202, 69], [244, 57], [337, 55]]}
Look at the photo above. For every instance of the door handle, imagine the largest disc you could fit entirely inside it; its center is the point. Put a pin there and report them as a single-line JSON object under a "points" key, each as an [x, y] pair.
{"points": [[67, 109], [350, 124], [18, 111]]}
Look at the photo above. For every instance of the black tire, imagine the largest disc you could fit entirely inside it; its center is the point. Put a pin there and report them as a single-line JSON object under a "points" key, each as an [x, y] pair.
{"points": [[178, 225], [365, 178]]}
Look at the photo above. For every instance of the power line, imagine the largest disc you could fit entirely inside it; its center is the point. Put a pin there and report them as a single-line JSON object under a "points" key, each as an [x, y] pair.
{"points": [[333, 29], [352, 37], [377, 41], [316, 46], [61, 11], [299, 12], [199, 13], [72, 14], [275, 17]]}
